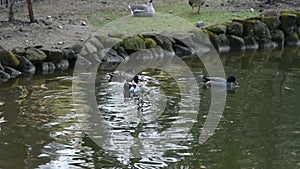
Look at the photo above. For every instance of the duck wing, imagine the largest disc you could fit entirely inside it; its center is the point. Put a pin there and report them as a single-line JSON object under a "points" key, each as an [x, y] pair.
{"points": [[196, 2], [216, 79], [139, 8], [119, 76]]}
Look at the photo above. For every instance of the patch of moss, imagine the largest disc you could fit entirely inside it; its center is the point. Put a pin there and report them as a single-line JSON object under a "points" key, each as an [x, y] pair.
{"points": [[150, 43], [134, 43], [272, 22], [7, 58]]}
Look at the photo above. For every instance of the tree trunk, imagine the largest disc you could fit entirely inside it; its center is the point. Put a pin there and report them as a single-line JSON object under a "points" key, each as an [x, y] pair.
{"points": [[30, 11], [11, 14]]}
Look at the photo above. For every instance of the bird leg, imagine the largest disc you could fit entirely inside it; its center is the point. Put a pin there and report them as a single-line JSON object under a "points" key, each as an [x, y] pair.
{"points": [[193, 10], [199, 10]]}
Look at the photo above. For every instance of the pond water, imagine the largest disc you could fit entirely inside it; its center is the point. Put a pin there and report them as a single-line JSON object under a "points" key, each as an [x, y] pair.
{"points": [[40, 127]]}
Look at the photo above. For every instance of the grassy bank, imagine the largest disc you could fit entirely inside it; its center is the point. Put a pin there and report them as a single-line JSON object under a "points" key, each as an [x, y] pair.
{"points": [[213, 12]]}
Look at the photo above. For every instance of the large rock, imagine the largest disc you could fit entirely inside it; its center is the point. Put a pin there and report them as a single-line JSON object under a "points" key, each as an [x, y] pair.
{"points": [[150, 43], [69, 54], [111, 56], [297, 13], [272, 22], [255, 28], [278, 37], [288, 21], [133, 43], [95, 42], [183, 51], [53, 55], [7, 58], [81, 62], [234, 28], [110, 42], [221, 43], [266, 43], [34, 54], [62, 64], [248, 26], [186, 44], [88, 49], [261, 30], [19, 51], [117, 35], [236, 42], [217, 29], [26, 66], [48, 67], [77, 48], [13, 73], [251, 43], [292, 39], [164, 41]]}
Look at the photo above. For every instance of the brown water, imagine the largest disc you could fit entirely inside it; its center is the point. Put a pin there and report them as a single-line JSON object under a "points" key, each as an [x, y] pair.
{"points": [[260, 128]]}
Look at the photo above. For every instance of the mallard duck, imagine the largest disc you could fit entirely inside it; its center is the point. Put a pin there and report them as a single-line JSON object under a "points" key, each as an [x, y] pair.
{"points": [[133, 85], [131, 82], [142, 10], [119, 76], [220, 82], [194, 3]]}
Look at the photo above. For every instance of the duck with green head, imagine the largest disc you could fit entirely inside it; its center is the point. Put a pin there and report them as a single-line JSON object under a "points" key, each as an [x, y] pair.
{"points": [[231, 81]]}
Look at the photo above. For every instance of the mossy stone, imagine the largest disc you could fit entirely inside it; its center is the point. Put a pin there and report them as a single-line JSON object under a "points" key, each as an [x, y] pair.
{"points": [[261, 30], [248, 26], [217, 29], [162, 40], [150, 43], [288, 21], [251, 43], [236, 42], [292, 39], [278, 37], [272, 22], [297, 13], [7, 58], [234, 28], [133, 43], [221, 43], [34, 54]]}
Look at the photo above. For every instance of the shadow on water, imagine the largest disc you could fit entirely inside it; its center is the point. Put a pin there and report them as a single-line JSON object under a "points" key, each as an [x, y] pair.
{"points": [[260, 128]]}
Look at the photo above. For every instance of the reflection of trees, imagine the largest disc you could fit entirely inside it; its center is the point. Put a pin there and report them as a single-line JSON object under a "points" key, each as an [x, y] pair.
{"points": [[40, 123], [265, 123], [22, 134]]}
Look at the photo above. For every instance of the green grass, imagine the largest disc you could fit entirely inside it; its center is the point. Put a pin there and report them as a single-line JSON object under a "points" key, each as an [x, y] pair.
{"points": [[209, 15], [179, 9], [159, 23]]}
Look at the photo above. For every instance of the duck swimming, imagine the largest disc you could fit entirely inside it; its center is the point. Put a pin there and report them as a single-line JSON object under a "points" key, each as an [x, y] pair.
{"points": [[142, 10], [133, 85], [119, 76], [231, 81]]}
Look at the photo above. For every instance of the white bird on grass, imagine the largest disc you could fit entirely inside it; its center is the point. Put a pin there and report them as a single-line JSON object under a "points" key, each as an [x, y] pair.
{"points": [[142, 10]]}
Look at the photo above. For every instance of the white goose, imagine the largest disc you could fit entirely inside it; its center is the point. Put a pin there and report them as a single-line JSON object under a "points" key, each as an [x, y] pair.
{"points": [[142, 10]]}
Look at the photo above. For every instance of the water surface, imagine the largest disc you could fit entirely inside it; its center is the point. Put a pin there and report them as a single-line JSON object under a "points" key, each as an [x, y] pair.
{"points": [[260, 128]]}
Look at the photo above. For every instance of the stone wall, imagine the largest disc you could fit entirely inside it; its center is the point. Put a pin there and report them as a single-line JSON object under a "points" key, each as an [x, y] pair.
{"points": [[271, 30]]}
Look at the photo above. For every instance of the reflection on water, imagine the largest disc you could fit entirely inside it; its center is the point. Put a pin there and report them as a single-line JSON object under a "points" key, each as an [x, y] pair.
{"points": [[40, 128]]}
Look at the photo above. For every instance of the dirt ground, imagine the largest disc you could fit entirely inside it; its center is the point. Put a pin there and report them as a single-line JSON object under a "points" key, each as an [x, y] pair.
{"points": [[60, 22]]}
